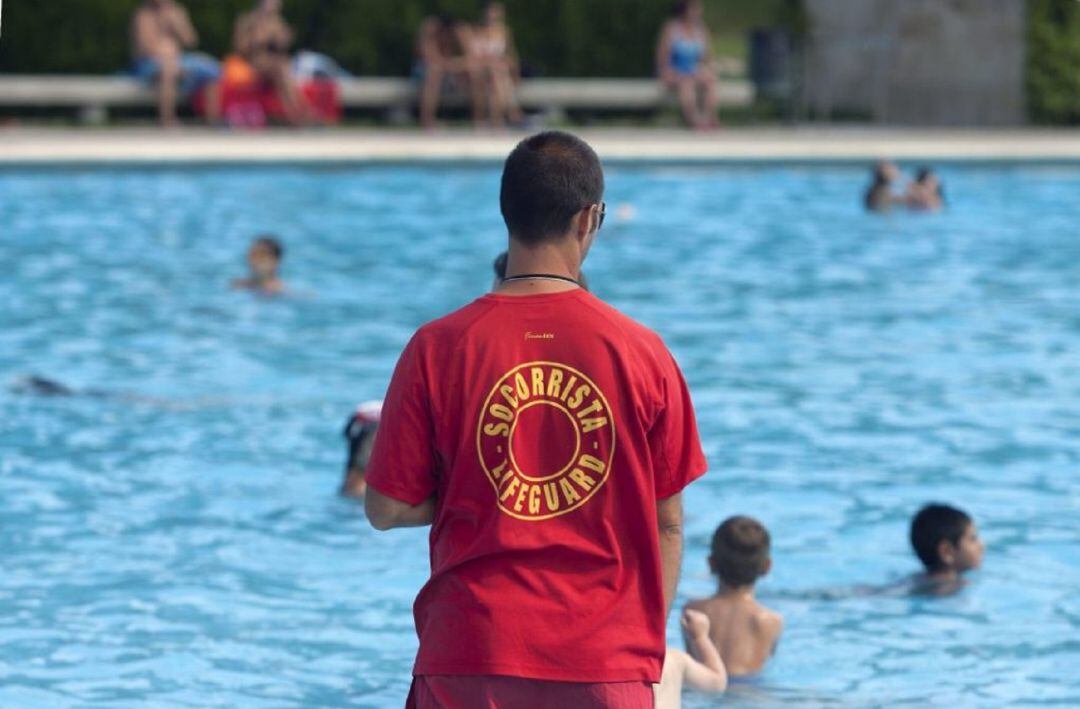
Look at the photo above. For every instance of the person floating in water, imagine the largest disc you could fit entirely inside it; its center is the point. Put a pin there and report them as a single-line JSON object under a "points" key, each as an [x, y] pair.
{"points": [[925, 194], [947, 542], [880, 196], [264, 259], [707, 675], [684, 63], [744, 631], [360, 432]]}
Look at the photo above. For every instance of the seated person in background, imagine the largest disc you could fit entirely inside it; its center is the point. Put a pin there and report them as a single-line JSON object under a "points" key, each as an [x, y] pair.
{"points": [[744, 631], [445, 52], [360, 433], [708, 675], [264, 259], [499, 266], [262, 39], [684, 63], [880, 196], [499, 67], [160, 32], [947, 543], [925, 193]]}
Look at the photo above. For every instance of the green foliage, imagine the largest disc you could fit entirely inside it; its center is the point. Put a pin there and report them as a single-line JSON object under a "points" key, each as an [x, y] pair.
{"points": [[368, 37], [1053, 66]]}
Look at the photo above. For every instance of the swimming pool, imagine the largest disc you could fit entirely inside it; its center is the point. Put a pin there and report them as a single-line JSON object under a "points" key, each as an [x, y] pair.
{"points": [[179, 541]]}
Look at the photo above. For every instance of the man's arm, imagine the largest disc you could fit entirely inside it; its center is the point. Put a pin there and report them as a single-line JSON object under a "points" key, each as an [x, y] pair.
{"points": [[386, 513], [669, 519], [181, 26]]}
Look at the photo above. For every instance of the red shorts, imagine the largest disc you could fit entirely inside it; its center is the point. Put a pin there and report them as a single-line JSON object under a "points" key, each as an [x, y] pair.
{"points": [[492, 692]]}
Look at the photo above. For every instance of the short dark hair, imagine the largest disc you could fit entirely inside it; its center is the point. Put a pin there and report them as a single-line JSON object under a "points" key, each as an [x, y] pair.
{"points": [[740, 551], [547, 179], [273, 245], [934, 524], [680, 7]]}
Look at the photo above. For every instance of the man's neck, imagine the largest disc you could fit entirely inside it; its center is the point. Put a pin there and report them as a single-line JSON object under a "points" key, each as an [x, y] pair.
{"points": [[549, 259]]}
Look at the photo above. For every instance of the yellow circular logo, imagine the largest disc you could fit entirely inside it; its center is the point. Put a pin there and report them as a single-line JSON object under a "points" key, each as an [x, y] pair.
{"points": [[546, 439]]}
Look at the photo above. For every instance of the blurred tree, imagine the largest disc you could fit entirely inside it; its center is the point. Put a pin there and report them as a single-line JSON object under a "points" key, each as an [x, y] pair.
{"points": [[1053, 69]]}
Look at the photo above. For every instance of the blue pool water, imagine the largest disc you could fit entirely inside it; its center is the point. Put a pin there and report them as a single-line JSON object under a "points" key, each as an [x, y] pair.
{"points": [[180, 543]]}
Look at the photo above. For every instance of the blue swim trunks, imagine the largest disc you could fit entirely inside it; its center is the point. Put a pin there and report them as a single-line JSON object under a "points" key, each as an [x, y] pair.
{"points": [[196, 70]]}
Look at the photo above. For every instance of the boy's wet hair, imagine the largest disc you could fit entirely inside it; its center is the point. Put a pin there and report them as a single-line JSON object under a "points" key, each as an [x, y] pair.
{"points": [[273, 245], [740, 551], [360, 435], [934, 524]]}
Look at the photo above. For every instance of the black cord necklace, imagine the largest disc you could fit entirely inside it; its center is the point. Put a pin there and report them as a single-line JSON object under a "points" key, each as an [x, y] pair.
{"points": [[540, 277]]}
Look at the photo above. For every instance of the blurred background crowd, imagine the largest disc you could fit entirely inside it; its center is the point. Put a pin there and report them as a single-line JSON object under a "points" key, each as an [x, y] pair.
{"points": [[929, 62]]}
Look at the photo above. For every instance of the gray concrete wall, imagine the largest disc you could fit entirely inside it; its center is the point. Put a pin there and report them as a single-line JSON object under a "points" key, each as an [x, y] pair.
{"points": [[916, 62]]}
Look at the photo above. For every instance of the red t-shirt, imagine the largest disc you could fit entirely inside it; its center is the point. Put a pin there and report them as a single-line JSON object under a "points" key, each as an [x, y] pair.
{"points": [[547, 427]]}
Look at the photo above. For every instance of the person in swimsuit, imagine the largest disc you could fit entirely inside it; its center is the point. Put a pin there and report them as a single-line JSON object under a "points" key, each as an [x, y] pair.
{"points": [[262, 38], [684, 63], [264, 259], [493, 45], [360, 431], [925, 194], [445, 53], [879, 195], [162, 36]]}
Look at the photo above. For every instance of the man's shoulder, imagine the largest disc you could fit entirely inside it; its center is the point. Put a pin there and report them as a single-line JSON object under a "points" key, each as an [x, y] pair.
{"points": [[453, 324], [633, 330]]}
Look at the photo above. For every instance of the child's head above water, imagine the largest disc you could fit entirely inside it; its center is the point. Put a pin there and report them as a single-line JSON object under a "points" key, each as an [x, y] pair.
{"points": [[740, 552], [264, 256], [946, 540]]}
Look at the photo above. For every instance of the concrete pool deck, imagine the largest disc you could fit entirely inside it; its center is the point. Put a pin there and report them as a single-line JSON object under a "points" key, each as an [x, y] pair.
{"points": [[60, 147]]}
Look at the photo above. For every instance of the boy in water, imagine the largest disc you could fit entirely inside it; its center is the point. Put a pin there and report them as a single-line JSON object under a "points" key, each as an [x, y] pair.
{"points": [[744, 631], [947, 542], [264, 259], [360, 431], [708, 675], [880, 196], [925, 193]]}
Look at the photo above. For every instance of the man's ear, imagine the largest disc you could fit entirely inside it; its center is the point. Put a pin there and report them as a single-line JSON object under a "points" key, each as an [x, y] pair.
{"points": [[712, 564], [583, 222], [768, 567]]}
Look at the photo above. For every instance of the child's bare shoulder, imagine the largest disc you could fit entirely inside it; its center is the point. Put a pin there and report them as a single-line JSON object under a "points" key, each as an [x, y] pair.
{"points": [[767, 622]]}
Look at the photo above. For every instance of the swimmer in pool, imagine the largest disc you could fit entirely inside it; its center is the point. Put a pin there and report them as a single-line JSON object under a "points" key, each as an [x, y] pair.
{"points": [[880, 196], [707, 675], [947, 542], [925, 194], [360, 433], [744, 631], [264, 259], [499, 266]]}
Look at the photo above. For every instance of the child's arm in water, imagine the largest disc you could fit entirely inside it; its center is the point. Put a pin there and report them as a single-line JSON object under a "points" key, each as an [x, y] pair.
{"points": [[706, 674]]}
